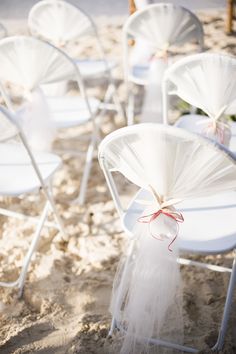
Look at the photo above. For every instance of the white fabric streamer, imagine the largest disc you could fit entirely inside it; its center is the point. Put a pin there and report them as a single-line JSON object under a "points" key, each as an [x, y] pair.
{"points": [[68, 22], [28, 63], [163, 24], [36, 122], [207, 81], [152, 106], [150, 296], [156, 29]]}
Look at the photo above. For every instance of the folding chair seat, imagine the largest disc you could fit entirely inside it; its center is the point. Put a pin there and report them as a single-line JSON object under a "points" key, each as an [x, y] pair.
{"points": [[193, 182], [156, 29], [60, 23], [22, 68], [206, 81], [24, 171]]}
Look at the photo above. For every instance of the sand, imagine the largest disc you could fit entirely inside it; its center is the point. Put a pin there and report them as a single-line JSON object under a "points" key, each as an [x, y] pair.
{"points": [[64, 308]]}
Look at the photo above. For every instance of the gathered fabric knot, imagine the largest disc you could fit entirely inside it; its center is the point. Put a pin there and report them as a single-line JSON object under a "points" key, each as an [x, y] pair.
{"points": [[217, 127], [176, 216], [162, 53]]}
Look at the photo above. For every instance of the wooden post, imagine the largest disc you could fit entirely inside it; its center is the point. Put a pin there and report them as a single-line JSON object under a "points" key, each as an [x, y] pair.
{"points": [[229, 17], [132, 7]]}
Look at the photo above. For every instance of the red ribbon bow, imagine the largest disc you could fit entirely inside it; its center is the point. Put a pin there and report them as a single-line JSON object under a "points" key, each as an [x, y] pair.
{"points": [[147, 219]]}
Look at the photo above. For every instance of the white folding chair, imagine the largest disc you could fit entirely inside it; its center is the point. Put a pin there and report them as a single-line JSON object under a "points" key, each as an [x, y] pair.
{"points": [[160, 27], [206, 81], [24, 171], [60, 22], [20, 65], [174, 168]]}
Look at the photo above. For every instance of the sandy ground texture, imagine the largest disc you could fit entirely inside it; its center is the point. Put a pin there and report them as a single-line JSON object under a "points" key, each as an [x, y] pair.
{"points": [[64, 308]]}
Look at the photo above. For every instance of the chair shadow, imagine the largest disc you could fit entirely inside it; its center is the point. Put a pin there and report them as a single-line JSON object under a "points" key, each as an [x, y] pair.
{"points": [[24, 337]]}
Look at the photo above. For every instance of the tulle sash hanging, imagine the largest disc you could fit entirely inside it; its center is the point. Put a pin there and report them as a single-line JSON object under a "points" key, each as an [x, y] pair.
{"points": [[36, 121], [152, 105], [147, 293]]}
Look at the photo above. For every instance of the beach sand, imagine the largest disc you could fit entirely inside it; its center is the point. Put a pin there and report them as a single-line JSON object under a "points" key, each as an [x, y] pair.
{"points": [[65, 305]]}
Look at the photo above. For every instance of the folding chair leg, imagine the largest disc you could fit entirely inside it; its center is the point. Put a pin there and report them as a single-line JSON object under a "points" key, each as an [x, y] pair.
{"points": [[228, 302], [55, 212], [32, 248], [118, 104], [118, 300], [130, 109], [107, 99], [87, 168], [111, 94]]}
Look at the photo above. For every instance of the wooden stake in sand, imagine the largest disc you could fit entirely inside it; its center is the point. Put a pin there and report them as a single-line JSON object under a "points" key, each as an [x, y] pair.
{"points": [[230, 15], [132, 7]]}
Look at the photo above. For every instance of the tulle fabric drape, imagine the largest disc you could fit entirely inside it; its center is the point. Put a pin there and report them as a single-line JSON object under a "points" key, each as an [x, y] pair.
{"points": [[207, 81], [165, 24], [152, 105], [156, 29], [27, 63], [68, 22], [147, 296], [174, 165]]}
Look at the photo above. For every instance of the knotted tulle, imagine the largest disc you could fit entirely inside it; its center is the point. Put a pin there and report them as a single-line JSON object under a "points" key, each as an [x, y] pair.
{"points": [[36, 121], [147, 293], [167, 220], [216, 129]]}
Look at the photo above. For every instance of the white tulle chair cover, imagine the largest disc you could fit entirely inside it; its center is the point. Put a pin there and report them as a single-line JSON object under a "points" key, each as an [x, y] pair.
{"points": [[27, 63], [174, 165], [206, 81], [163, 25], [68, 21], [172, 162], [157, 28], [20, 56]]}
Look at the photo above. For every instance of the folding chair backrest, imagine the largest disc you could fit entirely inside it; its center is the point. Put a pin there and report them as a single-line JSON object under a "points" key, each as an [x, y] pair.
{"points": [[30, 62], [206, 81], [164, 25], [59, 21], [171, 163]]}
